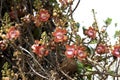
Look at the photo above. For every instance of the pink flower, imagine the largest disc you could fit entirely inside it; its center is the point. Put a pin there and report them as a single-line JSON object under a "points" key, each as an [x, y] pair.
{"points": [[40, 50], [13, 33], [44, 15], [70, 51], [91, 32], [73, 51], [81, 52], [101, 48], [60, 35], [116, 51]]}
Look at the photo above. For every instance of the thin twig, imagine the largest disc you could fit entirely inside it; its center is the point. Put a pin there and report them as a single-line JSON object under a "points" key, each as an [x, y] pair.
{"points": [[37, 72], [94, 64], [103, 73], [96, 25], [74, 8], [94, 16], [66, 75], [111, 64], [21, 72], [33, 58]]}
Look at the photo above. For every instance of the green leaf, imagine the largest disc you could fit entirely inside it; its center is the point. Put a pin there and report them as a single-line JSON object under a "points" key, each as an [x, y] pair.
{"points": [[44, 38], [116, 24], [43, 35], [117, 34], [89, 67], [6, 17], [108, 21], [111, 72], [77, 25], [78, 38], [105, 34], [94, 41], [80, 66], [6, 66], [89, 77], [90, 50], [83, 29]]}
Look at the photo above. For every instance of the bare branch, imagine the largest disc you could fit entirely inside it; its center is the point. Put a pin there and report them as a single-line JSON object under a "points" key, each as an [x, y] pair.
{"points": [[74, 8], [37, 72], [33, 58]]}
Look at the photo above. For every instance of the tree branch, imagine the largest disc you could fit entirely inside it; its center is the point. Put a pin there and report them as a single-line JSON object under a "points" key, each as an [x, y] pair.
{"points": [[36, 72], [74, 8]]}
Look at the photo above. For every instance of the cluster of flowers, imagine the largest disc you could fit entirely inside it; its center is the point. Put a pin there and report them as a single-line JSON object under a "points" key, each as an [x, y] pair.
{"points": [[60, 36], [12, 34], [73, 51], [42, 16]]}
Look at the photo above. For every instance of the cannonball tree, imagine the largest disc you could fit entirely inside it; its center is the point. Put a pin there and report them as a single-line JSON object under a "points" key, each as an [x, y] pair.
{"points": [[40, 40]]}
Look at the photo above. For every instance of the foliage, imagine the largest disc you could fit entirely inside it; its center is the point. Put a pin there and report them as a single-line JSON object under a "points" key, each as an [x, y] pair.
{"points": [[40, 40]]}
